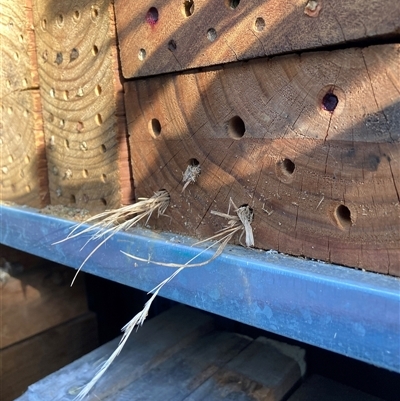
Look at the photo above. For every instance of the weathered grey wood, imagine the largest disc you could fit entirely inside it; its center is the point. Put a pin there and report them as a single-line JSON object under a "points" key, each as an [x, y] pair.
{"points": [[321, 388]]}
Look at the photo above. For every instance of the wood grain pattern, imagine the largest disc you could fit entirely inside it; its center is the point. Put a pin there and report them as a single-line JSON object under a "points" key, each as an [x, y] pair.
{"points": [[23, 168], [323, 184], [163, 36], [82, 103]]}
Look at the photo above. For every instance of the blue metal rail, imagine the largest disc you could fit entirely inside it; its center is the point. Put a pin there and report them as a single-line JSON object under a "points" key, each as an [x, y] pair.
{"points": [[347, 311]]}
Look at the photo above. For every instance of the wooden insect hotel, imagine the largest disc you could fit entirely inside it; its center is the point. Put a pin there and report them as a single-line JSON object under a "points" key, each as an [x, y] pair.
{"points": [[289, 108]]}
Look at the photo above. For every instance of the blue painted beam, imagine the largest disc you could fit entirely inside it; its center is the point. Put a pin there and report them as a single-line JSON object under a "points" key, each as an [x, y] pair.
{"points": [[347, 311]]}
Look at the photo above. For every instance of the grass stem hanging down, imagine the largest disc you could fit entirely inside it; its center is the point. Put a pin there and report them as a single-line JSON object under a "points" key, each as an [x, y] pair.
{"points": [[191, 174], [110, 222], [239, 223]]}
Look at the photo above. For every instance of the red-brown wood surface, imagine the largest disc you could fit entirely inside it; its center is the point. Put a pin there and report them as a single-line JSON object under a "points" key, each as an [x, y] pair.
{"points": [[310, 142]]}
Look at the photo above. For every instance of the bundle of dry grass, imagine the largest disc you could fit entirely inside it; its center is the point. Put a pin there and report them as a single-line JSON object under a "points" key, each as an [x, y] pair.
{"points": [[239, 223], [110, 222]]}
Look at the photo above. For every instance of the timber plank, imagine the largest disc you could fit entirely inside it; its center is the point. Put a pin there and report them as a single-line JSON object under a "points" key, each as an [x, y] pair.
{"points": [[32, 359], [82, 100], [163, 36], [23, 174], [323, 183]]}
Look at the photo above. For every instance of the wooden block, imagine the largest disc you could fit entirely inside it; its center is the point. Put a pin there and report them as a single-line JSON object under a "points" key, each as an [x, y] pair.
{"points": [[321, 388], [157, 37], [158, 340], [84, 117], [38, 299], [23, 168], [310, 142], [203, 364], [30, 360]]}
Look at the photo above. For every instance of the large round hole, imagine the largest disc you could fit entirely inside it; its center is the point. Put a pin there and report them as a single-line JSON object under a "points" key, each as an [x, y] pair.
{"points": [[193, 162], [211, 34], [288, 166], [343, 216], [188, 8], [329, 102], [154, 127], [152, 16], [232, 4], [236, 127]]}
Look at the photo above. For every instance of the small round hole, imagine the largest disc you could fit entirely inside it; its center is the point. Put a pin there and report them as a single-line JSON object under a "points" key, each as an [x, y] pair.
{"points": [[25, 113], [4, 170], [45, 56], [60, 20], [10, 110], [154, 127], [142, 54], [172, 45], [211, 34], [103, 201], [66, 143], [188, 8], [21, 38], [343, 216], [152, 16], [16, 56], [77, 15], [10, 159], [98, 119], [103, 177], [94, 13], [95, 50], [97, 90], [66, 95], [28, 189], [103, 148], [52, 92], [85, 173], [27, 159], [62, 123], [74, 54], [8, 84], [330, 102], [259, 25], [43, 24], [236, 127], [232, 4], [72, 199], [25, 82], [79, 126]]}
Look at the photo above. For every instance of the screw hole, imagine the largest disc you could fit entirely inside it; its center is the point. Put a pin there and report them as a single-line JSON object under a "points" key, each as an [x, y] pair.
{"points": [[142, 54], [232, 4], [152, 16], [188, 8], [211, 34], [154, 127], [330, 102], [236, 127], [343, 216], [259, 25]]}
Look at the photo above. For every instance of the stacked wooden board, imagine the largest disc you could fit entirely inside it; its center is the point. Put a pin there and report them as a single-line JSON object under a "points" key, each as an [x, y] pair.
{"points": [[308, 137]]}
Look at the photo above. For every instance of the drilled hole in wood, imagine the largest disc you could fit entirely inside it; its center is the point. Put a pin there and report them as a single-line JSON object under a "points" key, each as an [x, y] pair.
{"points": [[21, 38], [66, 95], [172, 45], [98, 119], [103, 201], [66, 143], [259, 25], [24, 82], [97, 90], [16, 56], [103, 148], [211, 34], [60, 20], [72, 199], [43, 24], [85, 173], [236, 127], [330, 102], [154, 127], [79, 126], [62, 123], [95, 50], [74, 54], [8, 84], [103, 177], [232, 4], [142, 54], [76, 15], [52, 92], [343, 216], [188, 8], [94, 13], [152, 16]]}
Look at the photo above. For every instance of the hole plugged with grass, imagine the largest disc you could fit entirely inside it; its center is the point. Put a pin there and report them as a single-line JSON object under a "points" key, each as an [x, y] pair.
{"points": [[154, 127], [330, 102], [343, 216], [211, 34], [172, 45], [232, 4], [236, 127], [152, 16], [259, 25], [188, 8]]}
